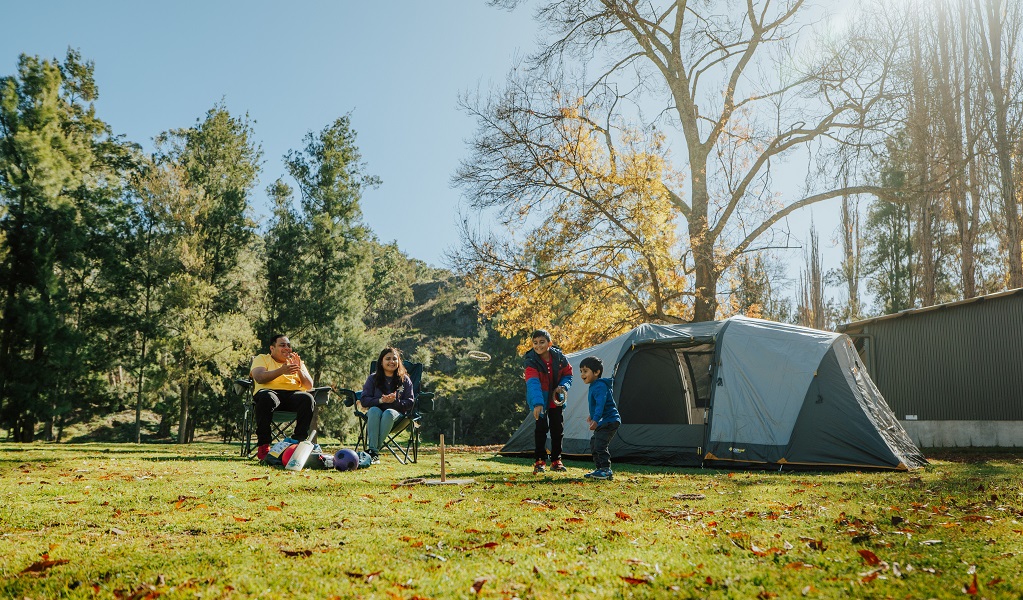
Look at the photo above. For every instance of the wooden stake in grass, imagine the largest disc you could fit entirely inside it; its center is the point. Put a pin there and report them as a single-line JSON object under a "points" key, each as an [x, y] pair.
{"points": [[443, 467], [444, 473]]}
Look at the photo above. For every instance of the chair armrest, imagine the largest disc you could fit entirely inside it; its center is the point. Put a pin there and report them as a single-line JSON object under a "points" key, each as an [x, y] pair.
{"points": [[321, 395], [425, 401], [350, 396], [243, 387]]}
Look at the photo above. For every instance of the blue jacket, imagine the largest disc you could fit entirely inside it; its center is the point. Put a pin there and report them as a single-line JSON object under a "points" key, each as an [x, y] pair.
{"points": [[603, 409], [540, 383]]}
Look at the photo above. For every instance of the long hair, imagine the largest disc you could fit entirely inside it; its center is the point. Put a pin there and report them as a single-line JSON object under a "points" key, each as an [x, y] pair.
{"points": [[400, 373]]}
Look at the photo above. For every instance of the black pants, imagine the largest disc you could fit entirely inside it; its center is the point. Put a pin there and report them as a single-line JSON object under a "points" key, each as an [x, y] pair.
{"points": [[296, 401], [552, 420], [599, 443]]}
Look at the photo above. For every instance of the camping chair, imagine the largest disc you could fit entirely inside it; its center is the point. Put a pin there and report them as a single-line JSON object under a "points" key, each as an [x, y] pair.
{"points": [[408, 450], [281, 421]]}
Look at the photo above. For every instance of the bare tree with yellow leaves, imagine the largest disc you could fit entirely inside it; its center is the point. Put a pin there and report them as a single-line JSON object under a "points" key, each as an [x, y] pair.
{"points": [[593, 206]]}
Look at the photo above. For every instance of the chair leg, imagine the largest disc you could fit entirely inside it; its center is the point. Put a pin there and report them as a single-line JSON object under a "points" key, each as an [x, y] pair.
{"points": [[247, 430], [409, 450]]}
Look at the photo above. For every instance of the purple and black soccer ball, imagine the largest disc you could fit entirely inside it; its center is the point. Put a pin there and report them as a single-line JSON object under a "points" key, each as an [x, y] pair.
{"points": [[346, 460]]}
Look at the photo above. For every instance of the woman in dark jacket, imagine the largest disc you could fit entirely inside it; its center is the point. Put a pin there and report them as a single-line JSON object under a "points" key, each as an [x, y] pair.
{"points": [[387, 397]]}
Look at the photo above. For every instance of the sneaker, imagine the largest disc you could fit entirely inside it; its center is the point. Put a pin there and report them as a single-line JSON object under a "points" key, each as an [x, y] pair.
{"points": [[374, 457], [262, 451], [558, 466], [603, 474], [538, 467]]}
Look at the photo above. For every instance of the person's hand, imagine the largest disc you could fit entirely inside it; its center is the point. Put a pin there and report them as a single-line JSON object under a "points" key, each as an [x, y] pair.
{"points": [[537, 411], [389, 398], [593, 425], [294, 364]]}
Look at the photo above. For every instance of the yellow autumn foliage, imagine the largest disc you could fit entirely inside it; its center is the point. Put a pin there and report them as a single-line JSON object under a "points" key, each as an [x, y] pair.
{"points": [[601, 254]]}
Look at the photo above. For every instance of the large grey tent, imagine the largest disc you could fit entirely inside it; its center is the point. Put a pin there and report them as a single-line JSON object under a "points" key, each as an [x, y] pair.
{"points": [[742, 392]]}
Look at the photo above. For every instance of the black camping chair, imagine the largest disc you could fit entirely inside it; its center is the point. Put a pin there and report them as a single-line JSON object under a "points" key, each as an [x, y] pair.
{"points": [[408, 450], [282, 420]]}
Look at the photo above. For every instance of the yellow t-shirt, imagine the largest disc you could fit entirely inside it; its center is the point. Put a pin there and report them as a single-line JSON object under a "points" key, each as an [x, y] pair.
{"points": [[284, 382]]}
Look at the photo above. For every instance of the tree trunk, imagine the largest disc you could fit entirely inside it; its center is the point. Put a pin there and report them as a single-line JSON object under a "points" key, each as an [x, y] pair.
{"points": [[138, 396], [1003, 142], [705, 301], [183, 411], [920, 142]]}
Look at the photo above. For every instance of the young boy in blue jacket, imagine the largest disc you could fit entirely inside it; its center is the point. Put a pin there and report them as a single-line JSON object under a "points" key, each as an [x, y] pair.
{"points": [[604, 419]]}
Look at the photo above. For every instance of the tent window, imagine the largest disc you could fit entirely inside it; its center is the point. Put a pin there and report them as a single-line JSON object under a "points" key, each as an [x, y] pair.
{"points": [[652, 392], [699, 373]]}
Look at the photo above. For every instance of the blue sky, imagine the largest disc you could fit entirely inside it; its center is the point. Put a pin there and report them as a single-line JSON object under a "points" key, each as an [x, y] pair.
{"points": [[396, 66]]}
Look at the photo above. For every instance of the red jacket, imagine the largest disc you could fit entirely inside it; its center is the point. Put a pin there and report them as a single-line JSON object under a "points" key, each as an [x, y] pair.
{"points": [[540, 382]]}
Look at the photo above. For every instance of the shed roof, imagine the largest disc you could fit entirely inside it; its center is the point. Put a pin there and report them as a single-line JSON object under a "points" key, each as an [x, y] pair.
{"points": [[856, 326]]}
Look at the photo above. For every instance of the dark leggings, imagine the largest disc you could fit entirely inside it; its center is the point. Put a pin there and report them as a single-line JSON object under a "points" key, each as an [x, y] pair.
{"points": [[552, 420], [296, 401], [599, 443]]}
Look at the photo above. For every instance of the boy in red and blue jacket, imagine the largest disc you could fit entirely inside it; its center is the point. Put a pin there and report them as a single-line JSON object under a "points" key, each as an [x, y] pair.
{"points": [[548, 377]]}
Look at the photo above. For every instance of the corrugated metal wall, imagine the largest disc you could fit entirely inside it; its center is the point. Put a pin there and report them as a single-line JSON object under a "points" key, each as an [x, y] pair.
{"points": [[962, 362]]}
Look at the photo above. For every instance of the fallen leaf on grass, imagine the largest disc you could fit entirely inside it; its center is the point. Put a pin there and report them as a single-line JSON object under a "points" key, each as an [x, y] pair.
{"points": [[770, 551], [258, 478], [42, 565], [765, 595], [366, 577], [688, 497], [815, 544], [994, 581], [623, 516], [242, 519], [117, 531], [633, 580], [869, 557], [274, 508], [297, 552], [971, 588], [798, 565], [477, 584], [488, 545]]}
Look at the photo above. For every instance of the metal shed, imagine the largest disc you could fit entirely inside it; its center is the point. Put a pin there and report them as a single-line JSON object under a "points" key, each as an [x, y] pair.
{"points": [[952, 373]]}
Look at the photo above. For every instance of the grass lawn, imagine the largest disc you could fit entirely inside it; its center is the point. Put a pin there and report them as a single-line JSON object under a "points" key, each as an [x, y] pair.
{"points": [[126, 521]]}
